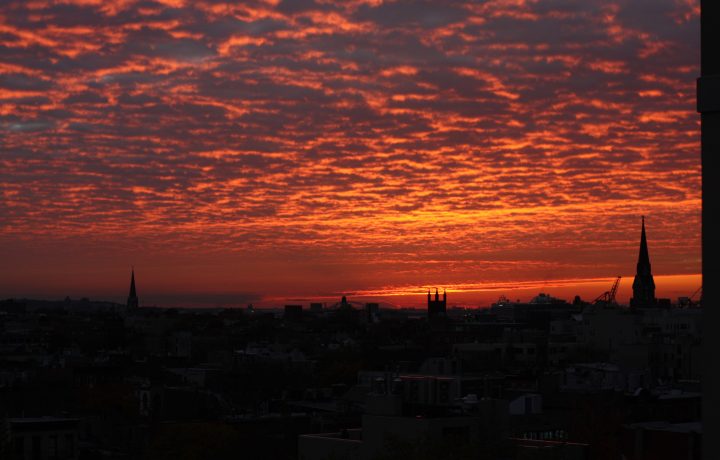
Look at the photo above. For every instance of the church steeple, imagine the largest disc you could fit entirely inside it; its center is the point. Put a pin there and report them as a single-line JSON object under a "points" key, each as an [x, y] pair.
{"points": [[643, 285], [643, 264], [132, 301], [436, 308]]}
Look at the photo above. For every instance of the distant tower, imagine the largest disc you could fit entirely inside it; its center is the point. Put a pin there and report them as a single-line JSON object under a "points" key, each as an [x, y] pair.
{"points": [[436, 308], [344, 305], [132, 301], [643, 285]]}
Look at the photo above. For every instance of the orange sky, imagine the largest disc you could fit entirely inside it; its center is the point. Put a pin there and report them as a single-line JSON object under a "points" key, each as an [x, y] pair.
{"points": [[265, 150]]}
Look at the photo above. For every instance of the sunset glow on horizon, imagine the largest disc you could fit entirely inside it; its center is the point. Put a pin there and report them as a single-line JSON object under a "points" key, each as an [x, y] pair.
{"points": [[260, 151]]}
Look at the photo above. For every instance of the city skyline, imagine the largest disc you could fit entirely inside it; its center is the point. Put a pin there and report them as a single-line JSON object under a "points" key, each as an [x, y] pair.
{"points": [[272, 150], [468, 295]]}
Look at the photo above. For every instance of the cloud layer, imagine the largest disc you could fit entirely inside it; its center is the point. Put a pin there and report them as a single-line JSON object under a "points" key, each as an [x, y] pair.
{"points": [[309, 147]]}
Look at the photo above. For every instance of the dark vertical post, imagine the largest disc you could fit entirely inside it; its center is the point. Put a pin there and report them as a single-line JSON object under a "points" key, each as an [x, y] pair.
{"points": [[708, 99]]}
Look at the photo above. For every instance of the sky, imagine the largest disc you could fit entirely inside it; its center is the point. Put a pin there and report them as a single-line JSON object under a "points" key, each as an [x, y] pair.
{"points": [[259, 151]]}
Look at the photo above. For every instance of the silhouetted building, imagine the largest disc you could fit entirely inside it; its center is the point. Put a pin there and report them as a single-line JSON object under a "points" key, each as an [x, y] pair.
{"points": [[44, 438], [540, 311], [643, 285], [372, 310], [437, 308], [316, 307], [344, 304], [132, 301], [708, 104], [392, 429], [12, 306], [661, 440], [293, 312]]}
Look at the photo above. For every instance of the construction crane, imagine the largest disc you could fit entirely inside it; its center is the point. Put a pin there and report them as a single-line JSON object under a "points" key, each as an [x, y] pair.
{"points": [[608, 297], [698, 291], [690, 301]]}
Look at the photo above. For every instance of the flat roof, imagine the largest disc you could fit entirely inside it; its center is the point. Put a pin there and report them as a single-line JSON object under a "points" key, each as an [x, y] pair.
{"points": [[687, 427]]}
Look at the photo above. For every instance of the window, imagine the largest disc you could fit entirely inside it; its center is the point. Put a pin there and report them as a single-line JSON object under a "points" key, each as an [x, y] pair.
{"points": [[54, 447], [444, 392], [19, 447], [37, 448], [70, 445]]}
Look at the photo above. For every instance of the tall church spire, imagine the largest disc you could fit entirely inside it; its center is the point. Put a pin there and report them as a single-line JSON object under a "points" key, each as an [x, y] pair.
{"points": [[132, 301], [643, 257], [643, 285]]}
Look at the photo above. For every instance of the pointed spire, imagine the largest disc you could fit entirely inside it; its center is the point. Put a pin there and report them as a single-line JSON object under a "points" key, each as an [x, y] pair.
{"points": [[132, 301], [436, 307], [132, 284], [643, 284], [643, 262]]}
